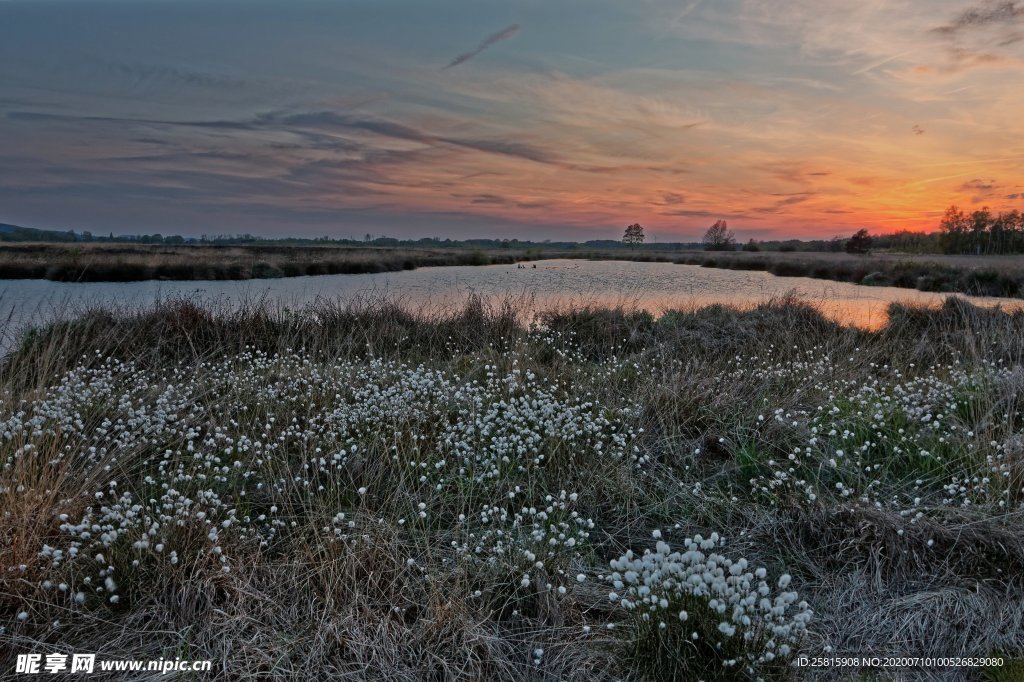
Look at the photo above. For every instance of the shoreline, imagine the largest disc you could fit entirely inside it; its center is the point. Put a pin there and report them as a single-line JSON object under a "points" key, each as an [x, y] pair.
{"points": [[992, 276]]}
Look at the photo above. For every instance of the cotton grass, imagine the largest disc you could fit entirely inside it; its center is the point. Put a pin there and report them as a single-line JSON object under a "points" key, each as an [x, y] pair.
{"points": [[376, 495]]}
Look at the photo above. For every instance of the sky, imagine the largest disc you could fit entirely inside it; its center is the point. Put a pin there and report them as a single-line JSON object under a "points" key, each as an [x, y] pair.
{"points": [[536, 119]]}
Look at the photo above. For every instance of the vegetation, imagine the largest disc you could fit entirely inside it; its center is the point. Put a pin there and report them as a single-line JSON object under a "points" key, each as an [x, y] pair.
{"points": [[860, 242], [719, 237], [365, 491], [126, 263], [976, 276], [634, 235], [981, 232]]}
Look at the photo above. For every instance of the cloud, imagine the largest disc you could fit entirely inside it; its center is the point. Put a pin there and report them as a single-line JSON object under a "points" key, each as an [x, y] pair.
{"points": [[31, 116], [975, 37], [141, 75], [1015, 195], [489, 199], [503, 34], [400, 131], [990, 14], [978, 185], [319, 120], [788, 199], [701, 213]]}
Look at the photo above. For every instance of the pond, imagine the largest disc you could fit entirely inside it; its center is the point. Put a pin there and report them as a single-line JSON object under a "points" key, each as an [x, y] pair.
{"points": [[545, 284]]}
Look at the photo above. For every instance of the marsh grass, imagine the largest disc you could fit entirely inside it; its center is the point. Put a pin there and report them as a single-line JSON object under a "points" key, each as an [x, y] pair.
{"points": [[130, 263], [438, 494]]}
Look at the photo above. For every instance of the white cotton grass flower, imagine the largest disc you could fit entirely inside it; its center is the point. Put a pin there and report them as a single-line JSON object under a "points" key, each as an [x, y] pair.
{"points": [[661, 586], [205, 461], [212, 484]]}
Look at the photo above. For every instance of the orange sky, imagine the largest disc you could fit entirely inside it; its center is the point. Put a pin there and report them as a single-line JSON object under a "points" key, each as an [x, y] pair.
{"points": [[787, 118]]}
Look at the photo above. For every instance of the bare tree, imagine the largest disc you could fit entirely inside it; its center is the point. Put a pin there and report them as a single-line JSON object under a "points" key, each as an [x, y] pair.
{"points": [[719, 237], [634, 235]]}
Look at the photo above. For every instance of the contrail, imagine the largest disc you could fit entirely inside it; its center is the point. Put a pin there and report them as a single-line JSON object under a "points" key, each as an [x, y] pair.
{"points": [[503, 34]]}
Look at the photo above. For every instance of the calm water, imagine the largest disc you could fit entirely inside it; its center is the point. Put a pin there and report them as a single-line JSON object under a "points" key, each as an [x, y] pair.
{"points": [[654, 286]]}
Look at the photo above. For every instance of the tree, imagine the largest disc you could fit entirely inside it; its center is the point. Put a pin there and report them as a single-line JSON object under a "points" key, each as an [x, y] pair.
{"points": [[981, 232], [719, 237], [751, 246], [634, 235], [860, 242]]}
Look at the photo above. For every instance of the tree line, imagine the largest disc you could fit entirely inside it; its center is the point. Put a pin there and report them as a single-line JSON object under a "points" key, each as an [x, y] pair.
{"points": [[981, 232]]}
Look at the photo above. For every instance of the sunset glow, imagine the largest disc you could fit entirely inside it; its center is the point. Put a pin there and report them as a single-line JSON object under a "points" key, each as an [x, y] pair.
{"points": [[562, 120]]}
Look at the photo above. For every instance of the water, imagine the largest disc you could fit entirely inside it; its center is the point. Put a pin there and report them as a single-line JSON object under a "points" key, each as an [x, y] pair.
{"points": [[553, 283]]}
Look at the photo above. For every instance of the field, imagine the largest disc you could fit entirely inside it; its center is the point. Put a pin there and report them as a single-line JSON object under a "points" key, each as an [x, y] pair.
{"points": [[95, 262], [355, 491], [134, 262]]}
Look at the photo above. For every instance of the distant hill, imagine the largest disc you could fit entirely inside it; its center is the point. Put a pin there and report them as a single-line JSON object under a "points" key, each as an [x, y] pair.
{"points": [[17, 233]]}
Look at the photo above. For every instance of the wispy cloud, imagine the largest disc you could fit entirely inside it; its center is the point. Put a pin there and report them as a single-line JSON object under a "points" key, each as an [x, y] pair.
{"points": [[978, 184], [998, 14], [145, 75], [979, 36], [503, 34]]}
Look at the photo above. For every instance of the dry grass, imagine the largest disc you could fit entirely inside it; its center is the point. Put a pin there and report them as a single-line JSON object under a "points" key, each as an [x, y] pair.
{"points": [[94, 262], [718, 393]]}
